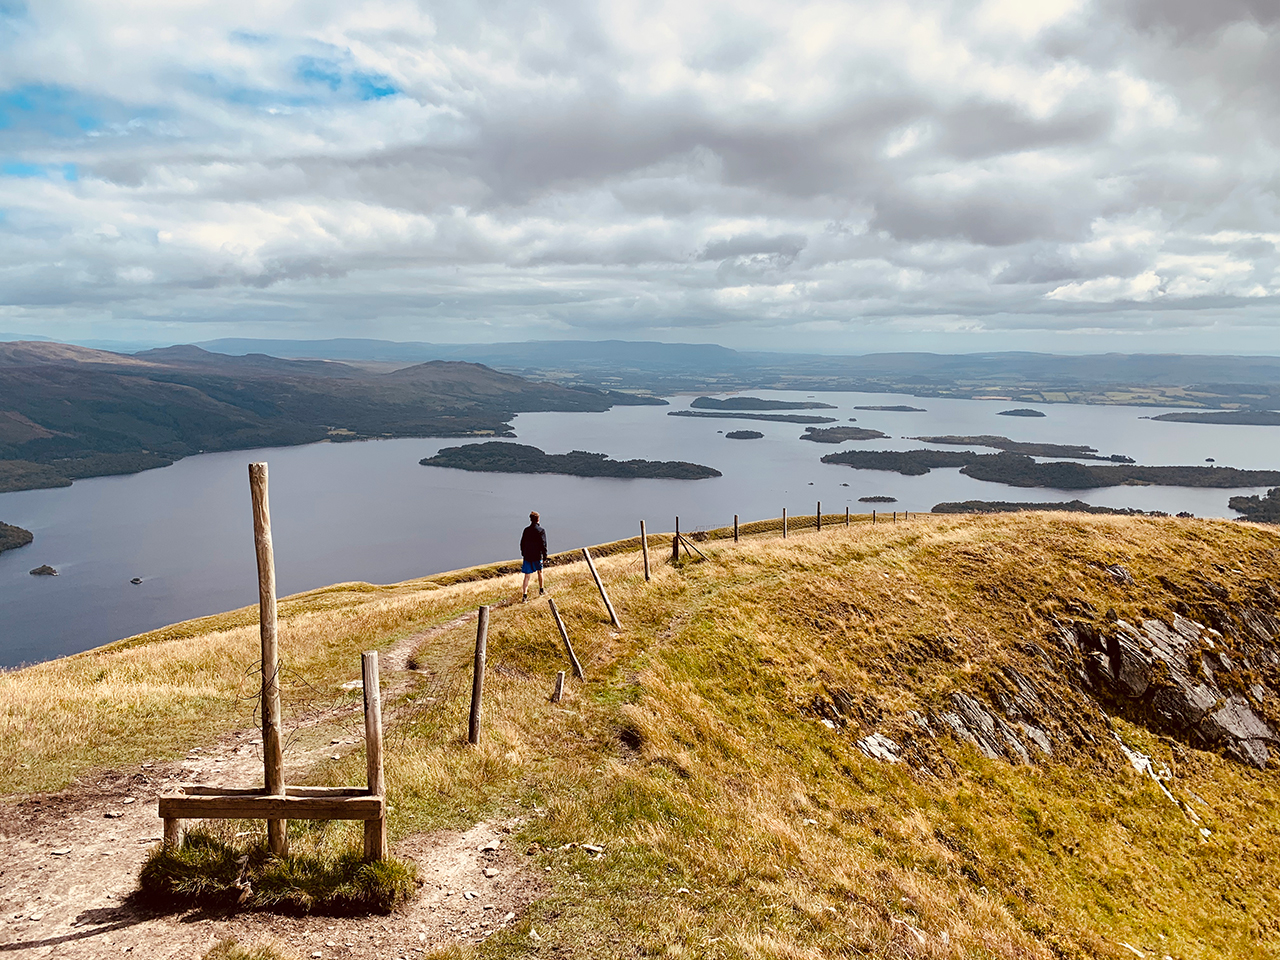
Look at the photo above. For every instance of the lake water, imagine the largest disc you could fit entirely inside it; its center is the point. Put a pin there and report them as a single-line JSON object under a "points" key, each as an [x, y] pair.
{"points": [[368, 511]]}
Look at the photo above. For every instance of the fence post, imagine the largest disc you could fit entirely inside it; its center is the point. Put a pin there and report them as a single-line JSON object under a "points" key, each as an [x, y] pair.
{"points": [[600, 585], [846, 516], [675, 543], [819, 516], [477, 675], [558, 692], [375, 831], [564, 635], [272, 734], [873, 518], [895, 516], [644, 549], [784, 523], [735, 528]]}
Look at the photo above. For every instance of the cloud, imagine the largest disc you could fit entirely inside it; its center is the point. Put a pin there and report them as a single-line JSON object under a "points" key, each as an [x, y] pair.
{"points": [[814, 175]]}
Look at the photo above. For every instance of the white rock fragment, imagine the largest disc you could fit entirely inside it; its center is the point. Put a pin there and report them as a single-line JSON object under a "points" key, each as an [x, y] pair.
{"points": [[879, 747]]}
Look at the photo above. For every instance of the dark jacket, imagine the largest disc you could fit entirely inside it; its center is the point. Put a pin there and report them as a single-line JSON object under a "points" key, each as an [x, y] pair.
{"points": [[533, 543]]}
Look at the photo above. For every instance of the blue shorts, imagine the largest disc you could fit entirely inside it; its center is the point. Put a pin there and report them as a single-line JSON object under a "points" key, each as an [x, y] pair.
{"points": [[531, 566]]}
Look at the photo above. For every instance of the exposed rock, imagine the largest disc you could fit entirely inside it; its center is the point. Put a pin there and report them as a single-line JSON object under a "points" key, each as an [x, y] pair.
{"points": [[44, 570], [879, 747]]}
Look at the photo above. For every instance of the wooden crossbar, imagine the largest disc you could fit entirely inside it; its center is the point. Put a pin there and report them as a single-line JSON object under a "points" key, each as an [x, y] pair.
{"points": [[261, 807], [210, 790]]}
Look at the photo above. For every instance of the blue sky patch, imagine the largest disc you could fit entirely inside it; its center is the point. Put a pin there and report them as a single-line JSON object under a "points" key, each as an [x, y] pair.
{"points": [[27, 171]]}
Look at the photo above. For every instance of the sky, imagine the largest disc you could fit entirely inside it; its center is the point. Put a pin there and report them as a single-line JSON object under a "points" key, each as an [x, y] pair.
{"points": [[1060, 175]]}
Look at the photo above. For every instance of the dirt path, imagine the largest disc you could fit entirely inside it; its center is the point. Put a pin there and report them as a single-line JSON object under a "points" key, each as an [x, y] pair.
{"points": [[69, 863]]}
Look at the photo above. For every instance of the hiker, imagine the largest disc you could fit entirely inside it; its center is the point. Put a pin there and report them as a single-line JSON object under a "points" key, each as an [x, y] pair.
{"points": [[533, 549]]}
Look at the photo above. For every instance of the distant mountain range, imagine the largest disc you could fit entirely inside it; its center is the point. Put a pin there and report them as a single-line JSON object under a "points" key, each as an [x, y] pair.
{"points": [[1215, 382], [68, 412]]}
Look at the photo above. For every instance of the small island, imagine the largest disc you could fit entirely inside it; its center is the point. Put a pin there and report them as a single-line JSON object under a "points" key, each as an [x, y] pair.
{"points": [[1258, 509], [44, 570], [12, 537], [1020, 412], [895, 408], [772, 417], [743, 435], [499, 456], [1077, 451], [841, 434], [1249, 418], [877, 499], [756, 403]]}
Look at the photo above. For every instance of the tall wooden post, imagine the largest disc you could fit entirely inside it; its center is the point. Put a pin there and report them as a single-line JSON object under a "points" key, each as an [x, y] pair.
{"points": [[644, 549], [591, 565], [272, 736], [564, 635], [873, 518], [735, 528], [477, 675], [784, 523], [675, 543], [819, 515], [846, 516], [375, 831]]}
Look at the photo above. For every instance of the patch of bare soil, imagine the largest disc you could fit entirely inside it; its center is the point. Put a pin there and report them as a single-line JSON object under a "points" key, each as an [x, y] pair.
{"points": [[69, 864]]}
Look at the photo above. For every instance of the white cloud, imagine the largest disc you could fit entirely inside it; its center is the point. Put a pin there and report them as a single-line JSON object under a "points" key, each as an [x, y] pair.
{"points": [[768, 173]]}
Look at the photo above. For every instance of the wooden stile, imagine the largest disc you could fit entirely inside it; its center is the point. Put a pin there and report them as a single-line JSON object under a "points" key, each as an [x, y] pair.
{"points": [[644, 549], [477, 676], [564, 635]]}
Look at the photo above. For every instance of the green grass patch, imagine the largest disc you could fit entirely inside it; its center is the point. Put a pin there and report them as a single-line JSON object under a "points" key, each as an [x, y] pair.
{"points": [[210, 871]]}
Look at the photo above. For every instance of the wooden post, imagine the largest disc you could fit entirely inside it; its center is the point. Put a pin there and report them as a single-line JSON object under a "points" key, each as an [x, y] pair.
{"points": [[784, 523], [172, 833], [873, 518], [895, 516], [559, 690], [675, 543], [591, 565], [819, 515], [846, 516], [272, 736], [735, 528], [477, 676], [564, 635], [644, 549], [375, 831]]}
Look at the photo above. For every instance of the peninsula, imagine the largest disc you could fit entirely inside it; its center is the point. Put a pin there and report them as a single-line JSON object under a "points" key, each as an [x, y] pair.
{"points": [[1076, 451], [1251, 418], [69, 412], [12, 537], [757, 403], [841, 434], [774, 417], [498, 456], [1258, 509], [1018, 470]]}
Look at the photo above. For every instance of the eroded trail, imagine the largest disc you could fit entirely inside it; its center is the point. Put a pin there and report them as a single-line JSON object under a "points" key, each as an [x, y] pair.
{"points": [[69, 862]]}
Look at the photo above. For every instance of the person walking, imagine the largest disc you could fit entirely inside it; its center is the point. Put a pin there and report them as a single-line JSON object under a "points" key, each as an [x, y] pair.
{"points": [[533, 550]]}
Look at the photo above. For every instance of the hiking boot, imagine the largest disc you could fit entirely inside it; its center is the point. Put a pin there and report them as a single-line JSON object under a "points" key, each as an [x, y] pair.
{"points": [[524, 598]]}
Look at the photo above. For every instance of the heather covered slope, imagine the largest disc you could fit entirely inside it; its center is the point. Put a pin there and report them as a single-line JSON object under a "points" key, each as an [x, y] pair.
{"points": [[800, 748]]}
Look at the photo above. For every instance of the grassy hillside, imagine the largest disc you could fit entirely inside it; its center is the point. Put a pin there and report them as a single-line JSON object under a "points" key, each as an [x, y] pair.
{"points": [[713, 749]]}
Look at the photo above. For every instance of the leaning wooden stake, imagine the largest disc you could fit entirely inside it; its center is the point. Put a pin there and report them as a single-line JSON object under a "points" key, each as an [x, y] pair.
{"points": [[477, 676], [644, 549], [375, 831], [564, 635], [735, 528], [272, 736], [591, 565], [784, 523], [558, 692]]}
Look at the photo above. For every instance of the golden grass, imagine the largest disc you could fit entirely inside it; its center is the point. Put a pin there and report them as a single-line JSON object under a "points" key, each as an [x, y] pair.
{"points": [[735, 824]]}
